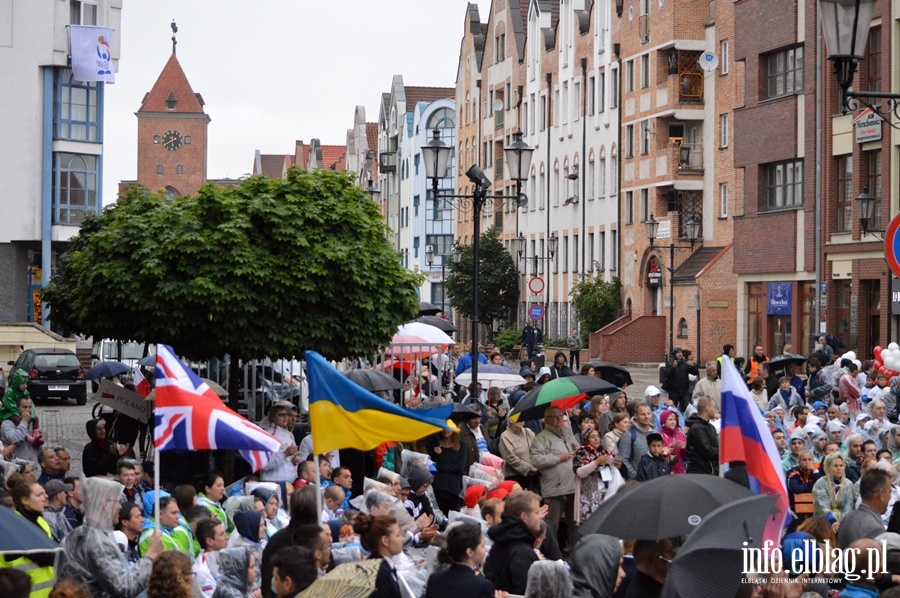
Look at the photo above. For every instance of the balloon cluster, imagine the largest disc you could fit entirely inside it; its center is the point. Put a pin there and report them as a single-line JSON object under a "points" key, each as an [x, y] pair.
{"points": [[887, 361]]}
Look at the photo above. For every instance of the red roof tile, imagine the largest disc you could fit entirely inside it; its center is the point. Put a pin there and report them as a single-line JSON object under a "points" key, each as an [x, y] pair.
{"points": [[172, 82], [372, 136], [272, 165], [332, 157]]}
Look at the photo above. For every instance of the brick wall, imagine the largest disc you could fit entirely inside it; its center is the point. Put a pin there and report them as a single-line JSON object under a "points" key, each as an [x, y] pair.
{"points": [[638, 341], [192, 158]]}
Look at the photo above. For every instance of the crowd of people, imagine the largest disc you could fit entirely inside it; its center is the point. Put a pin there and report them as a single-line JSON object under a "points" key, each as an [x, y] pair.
{"points": [[491, 509]]}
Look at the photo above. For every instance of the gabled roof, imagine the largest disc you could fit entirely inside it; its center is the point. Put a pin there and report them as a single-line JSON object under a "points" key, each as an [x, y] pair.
{"points": [[372, 136], [518, 15], [687, 272], [414, 95], [332, 157], [271, 166], [172, 83]]}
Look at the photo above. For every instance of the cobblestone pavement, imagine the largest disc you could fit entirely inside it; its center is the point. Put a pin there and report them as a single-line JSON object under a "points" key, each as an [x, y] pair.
{"points": [[63, 423]]}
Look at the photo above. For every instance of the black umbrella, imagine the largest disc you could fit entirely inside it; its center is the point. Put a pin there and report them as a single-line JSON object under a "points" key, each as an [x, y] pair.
{"points": [[373, 380], [711, 562], [438, 322], [428, 309], [612, 372], [460, 412], [21, 536], [107, 369], [666, 507], [782, 361]]}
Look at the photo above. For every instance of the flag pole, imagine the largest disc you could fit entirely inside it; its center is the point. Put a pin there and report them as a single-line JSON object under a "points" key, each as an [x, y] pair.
{"points": [[156, 487], [318, 490]]}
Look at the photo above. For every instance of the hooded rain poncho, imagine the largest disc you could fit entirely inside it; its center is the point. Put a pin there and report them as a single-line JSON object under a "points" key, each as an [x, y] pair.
{"points": [[91, 557], [595, 566], [8, 408], [232, 582], [548, 579]]}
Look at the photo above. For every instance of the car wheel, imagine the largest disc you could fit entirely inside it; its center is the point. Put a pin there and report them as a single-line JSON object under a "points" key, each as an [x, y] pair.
{"points": [[81, 401]]}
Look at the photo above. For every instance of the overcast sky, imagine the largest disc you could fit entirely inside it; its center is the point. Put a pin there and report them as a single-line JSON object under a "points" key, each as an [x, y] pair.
{"points": [[274, 71]]}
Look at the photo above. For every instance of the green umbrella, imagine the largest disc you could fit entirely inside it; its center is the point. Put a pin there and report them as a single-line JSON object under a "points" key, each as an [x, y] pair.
{"points": [[562, 393]]}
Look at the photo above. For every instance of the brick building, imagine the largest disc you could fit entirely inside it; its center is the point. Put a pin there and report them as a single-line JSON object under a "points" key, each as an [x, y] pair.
{"points": [[677, 97]]}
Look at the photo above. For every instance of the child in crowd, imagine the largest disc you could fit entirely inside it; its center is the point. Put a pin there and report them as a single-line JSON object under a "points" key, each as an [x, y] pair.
{"points": [[655, 464]]}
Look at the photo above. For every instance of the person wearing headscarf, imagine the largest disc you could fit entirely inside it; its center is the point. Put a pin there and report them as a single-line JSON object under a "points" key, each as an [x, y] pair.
{"points": [[249, 532], [799, 442], [271, 506], [100, 455], [674, 438], [596, 478], [833, 494], [836, 431], [92, 558], [548, 579], [237, 573], [596, 566]]}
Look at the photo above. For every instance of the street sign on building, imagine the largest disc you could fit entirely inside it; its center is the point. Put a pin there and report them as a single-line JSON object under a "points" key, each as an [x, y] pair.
{"points": [[536, 285], [867, 126], [536, 311], [664, 231]]}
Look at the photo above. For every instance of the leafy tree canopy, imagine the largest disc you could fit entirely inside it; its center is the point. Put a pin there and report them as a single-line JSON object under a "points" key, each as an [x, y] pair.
{"points": [[596, 301], [270, 267], [498, 281]]}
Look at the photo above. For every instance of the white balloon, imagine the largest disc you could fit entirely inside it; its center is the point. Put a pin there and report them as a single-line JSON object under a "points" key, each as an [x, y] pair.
{"points": [[893, 347], [850, 355]]}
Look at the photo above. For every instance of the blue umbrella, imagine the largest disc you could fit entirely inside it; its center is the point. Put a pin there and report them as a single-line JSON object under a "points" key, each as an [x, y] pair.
{"points": [[20, 536], [107, 369]]}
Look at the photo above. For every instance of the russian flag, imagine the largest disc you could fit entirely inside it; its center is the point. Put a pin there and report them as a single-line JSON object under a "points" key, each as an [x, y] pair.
{"points": [[746, 437]]}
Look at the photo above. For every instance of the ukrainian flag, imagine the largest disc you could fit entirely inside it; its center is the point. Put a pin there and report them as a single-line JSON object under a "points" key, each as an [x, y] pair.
{"points": [[344, 415]]}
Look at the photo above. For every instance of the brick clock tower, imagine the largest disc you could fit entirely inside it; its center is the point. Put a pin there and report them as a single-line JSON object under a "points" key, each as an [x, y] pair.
{"points": [[172, 134]]}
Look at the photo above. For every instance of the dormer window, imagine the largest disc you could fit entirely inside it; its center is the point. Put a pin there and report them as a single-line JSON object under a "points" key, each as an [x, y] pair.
{"points": [[171, 101]]}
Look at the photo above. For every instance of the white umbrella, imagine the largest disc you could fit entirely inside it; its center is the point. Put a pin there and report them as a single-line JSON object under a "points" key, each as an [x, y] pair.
{"points": [[429, 333], [492, 375]]}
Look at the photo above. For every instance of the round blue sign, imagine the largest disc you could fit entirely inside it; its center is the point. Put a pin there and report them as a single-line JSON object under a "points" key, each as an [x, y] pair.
{"points": [[536, 311]]}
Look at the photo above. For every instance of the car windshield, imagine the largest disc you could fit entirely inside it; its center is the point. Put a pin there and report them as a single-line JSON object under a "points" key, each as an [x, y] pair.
{"points": [[56, 360], [129, 351]]}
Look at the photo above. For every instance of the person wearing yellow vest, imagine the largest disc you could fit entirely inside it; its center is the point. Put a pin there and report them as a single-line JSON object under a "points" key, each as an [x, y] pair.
{"points": [[92, 558], [30, 500], [752, 369], [729, 351]]}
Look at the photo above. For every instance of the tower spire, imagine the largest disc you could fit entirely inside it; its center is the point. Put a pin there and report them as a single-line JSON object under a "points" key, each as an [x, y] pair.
{"points": [[174, 31]]}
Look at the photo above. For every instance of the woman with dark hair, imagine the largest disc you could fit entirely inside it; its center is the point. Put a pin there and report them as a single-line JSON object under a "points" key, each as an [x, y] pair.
{"points": [[464, 553], [211, 496], [186, 497], [382, 538], [450, 460], [30, 500], [171, 577], [99, 456]]}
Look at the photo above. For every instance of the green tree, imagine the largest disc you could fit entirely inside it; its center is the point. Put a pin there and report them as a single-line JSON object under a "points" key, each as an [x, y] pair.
{"points": [[269, 267], [498, 281], [596, 301]]}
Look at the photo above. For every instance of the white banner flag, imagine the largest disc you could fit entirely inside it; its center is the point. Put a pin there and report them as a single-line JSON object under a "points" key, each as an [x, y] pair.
{"points": [[91, 56]]}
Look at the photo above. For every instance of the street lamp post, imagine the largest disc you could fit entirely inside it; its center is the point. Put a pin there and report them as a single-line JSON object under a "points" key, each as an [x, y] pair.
{"points": [[693, 233], [429, 257], [521, 250], [436, 155], [845, 26]]}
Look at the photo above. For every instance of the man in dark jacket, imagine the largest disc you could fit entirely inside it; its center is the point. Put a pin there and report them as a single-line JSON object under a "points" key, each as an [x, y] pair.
{"points": [[513, 553], [303, 512], [560, 367], [702, 451], [677, 382]]}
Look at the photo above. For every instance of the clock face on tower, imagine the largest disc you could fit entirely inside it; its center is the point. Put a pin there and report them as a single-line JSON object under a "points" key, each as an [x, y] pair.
{"points": [[172, 140]]}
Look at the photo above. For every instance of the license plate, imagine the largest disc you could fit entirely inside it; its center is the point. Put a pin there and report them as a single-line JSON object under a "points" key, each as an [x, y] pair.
{"points": [[58, 387]]}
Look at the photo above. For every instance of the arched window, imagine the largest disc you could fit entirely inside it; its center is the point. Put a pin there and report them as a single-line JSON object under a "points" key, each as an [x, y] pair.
{"points": [[179, 169], [682, 328], [160, 169]]}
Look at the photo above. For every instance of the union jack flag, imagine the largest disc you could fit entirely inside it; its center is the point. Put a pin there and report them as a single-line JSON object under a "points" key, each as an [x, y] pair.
{"points": [[189, 416]]}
